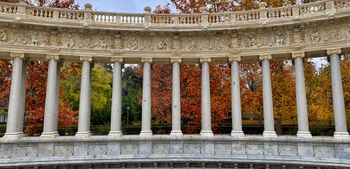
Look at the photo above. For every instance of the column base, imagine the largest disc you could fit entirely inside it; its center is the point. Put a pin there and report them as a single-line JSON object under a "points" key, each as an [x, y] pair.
{"points": [[13, 136], [237, 134], [83, 134], [269, 134], [115, 133], [207, 133], [341, 135], [146, 133], [49, 135], [176, 133], [304, 134]]}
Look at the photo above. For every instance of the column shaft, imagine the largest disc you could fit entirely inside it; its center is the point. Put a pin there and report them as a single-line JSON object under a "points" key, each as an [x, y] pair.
{"points": [[23, 100], [303, 122], [338, 98], [205, 101], [176, 101], [146, 100], [236, 100], [51, 101], [269, 128], [15, 101], [85, 101], [116, 115]]}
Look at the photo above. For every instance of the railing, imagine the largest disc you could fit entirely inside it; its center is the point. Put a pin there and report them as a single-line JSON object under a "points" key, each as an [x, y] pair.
{"points": [[220, 18], [311, 8], [132, 18], [40, 12], [8, 8], [162, 19], [281, 12], [341, 3], [105, 17], [247, 15], [319, 7]]}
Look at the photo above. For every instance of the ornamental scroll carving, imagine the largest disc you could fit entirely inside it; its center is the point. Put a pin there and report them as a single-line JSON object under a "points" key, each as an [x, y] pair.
{"points": [[274, 37]]}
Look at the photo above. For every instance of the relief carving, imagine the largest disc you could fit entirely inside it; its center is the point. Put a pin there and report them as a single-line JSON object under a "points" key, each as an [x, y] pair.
{"points": [[162, 45], [100, 44], [315, 35], [191, 44], [176, 43], [131, 44], [234, 40], [249, 40], [280, 39], [85, 42], [68, 41], [118, 42], [3, 36]]}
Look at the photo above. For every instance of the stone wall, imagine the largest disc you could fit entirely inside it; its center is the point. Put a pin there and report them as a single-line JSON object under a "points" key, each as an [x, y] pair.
{"points": [[286, 150]]}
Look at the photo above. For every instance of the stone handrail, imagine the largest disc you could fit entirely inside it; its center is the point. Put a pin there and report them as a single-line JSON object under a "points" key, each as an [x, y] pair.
{"points": [[147, 18]]}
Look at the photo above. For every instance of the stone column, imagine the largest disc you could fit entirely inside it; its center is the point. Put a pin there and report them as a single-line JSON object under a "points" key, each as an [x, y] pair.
{"points": [[146, 98], [236, 98], [303, 121], [51, 101], [23, 99], [15, 102], [116, 116], [205, 98], [85, 99], [337, 94], [269, 127], [176, 98]]}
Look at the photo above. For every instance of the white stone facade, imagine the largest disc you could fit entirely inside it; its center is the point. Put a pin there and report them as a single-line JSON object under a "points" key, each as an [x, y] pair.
{"points": [[294, 32]]}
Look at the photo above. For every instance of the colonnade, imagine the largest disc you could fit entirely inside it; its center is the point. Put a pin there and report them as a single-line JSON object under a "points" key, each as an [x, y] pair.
{"points": [[16, 104]]}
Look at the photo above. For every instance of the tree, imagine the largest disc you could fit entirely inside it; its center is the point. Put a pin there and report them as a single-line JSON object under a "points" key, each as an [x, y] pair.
{"points": [[101, 91], [36, 72]]}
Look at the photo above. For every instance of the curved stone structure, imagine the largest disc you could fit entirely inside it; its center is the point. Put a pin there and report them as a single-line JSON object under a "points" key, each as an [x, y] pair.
{"points": [[310, 30]]}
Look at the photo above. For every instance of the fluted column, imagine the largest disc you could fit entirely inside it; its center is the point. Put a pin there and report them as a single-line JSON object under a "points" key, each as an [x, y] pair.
{"points": [[269, 127], [176, 98], [146, 98], [337, 94], [303, 120], [51, 101], [236, 97], [16, 94], [205, 99], [116, 115], [85, 99]]}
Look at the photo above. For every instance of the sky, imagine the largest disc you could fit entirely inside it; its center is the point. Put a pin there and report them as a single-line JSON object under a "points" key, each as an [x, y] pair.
{"points": [[137, 6], [134, 6]]}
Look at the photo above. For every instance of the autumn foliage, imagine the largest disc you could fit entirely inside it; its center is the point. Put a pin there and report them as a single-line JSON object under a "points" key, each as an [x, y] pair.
{"points": [[36, 76]]}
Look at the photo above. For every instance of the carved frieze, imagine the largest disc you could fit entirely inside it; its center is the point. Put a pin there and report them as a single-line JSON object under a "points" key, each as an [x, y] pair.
{"points": [[230, 40]]}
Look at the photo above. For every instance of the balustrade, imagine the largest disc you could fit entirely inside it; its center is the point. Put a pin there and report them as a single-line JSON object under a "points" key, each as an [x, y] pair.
{"points": [[8, 8], [40, 12], [50, 125], [312, 8]]}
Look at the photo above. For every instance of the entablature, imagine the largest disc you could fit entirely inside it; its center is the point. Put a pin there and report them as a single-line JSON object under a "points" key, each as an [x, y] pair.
{"points": [[38, 32]]}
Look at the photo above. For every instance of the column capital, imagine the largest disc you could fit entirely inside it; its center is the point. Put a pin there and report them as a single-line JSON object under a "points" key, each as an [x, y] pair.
{"points": [[265, 57], [205, 60], [17, 55], [333, 51], [175, 60], [86, 58], [298, 54], [235, 58], [147, 60], [117, 59], [52, 56]]}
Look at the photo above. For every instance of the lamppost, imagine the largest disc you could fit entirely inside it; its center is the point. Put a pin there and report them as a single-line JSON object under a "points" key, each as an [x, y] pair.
{"points": [[127, 116]]}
